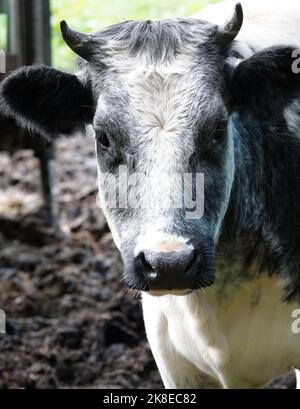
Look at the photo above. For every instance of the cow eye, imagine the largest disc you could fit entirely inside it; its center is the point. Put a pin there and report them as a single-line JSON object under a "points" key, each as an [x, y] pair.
{"points": [[102, 139], [219, 134]]}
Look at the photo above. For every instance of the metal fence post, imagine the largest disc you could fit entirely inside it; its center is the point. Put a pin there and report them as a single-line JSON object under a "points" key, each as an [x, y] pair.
{"points": [[29, 38]]}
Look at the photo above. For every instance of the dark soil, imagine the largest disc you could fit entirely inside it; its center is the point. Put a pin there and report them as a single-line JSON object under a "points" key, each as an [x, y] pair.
{"points": [[70, 322]]}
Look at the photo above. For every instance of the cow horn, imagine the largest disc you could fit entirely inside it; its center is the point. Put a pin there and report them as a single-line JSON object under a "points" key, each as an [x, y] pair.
{"points": [[80, 43], [232, 27]]}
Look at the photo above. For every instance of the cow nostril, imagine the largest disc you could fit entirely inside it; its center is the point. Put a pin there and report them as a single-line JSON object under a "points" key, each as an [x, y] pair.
{"points": [[149, 272]]}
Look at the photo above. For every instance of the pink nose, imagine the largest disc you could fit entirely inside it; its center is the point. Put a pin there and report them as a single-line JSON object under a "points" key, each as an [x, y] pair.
{"points": [[167, 246]]}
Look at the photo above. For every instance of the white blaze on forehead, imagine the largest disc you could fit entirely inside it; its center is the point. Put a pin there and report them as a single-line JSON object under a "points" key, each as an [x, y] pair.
{"points": [[162, 103], [163, 99], [161, 85], [159, 102], [160, 95]]}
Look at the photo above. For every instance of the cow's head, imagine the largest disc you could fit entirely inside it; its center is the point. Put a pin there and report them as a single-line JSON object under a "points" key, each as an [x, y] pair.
{"points": [[159, 96]]}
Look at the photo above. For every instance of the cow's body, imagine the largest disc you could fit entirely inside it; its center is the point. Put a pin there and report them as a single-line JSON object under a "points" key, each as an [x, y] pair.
{"points": [[266, 22], [181, 97]]}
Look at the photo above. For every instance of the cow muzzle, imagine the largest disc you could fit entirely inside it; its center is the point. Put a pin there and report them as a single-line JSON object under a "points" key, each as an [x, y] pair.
{"points": [[167, 267]]}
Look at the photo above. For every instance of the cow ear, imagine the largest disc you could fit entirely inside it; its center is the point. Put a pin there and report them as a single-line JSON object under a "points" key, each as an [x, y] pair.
{"points": [[266, 79], [46, 100]]}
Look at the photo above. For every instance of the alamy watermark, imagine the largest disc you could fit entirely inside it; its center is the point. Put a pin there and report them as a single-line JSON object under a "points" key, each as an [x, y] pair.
{"points": [[296, 63], [2, 62], [296, 322], [2, 322], [135, 191]]}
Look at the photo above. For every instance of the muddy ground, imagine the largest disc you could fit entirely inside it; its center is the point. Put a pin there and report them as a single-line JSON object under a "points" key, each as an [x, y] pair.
{"points": [[70, 322]]}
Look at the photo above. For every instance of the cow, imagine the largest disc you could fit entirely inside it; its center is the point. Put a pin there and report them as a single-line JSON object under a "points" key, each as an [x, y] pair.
{"points": [[190, 96]]}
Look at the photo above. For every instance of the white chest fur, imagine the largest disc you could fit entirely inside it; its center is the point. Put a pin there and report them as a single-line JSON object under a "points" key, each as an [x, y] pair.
{"points": [[239, 337]]}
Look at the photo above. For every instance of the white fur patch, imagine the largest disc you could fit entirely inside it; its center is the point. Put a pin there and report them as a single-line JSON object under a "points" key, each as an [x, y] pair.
{"points": [[239, 339], [266, 22]]}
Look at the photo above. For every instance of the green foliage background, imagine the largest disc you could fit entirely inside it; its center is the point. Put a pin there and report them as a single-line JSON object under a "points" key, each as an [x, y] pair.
{"points": [[2, 31], [91, 15]]}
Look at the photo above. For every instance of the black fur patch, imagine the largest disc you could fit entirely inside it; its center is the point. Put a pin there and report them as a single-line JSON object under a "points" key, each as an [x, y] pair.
{"points": [[262, 220], [263, 217], [46, 100], [264, 79]]}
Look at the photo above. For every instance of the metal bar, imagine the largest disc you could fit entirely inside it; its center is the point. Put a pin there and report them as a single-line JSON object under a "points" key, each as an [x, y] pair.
{"points": [[42, 31], [46, 157], [29, 31], [2, 6], [15, 43], [30, 39]]}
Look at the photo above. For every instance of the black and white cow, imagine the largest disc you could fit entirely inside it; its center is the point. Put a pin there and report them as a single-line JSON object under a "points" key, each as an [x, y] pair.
{"points": [[188, 96]]}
